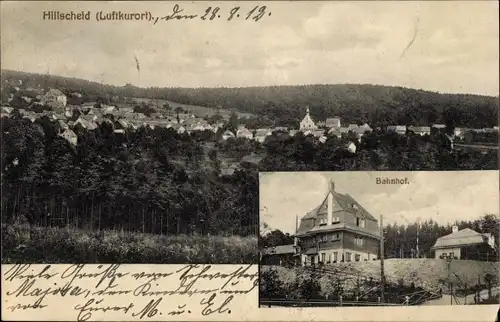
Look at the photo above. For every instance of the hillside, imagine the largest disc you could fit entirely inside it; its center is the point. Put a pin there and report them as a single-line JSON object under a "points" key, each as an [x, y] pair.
{"points": [[92, 90], [425, 272], [377, 105]]}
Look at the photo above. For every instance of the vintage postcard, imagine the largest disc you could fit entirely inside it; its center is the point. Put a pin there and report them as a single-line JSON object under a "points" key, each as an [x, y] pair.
{"points": [[167, 160]]}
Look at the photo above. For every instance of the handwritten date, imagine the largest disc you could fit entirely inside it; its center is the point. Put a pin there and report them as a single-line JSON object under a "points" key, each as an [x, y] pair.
{"points": [[216, 13]]}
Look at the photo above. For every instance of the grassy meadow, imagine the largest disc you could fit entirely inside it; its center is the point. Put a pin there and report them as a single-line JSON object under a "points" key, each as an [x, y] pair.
{"points": [[30, 244]]}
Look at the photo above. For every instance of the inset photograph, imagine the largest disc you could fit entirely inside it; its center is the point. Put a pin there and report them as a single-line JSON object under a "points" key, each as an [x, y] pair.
{"points": [[378, 238]]}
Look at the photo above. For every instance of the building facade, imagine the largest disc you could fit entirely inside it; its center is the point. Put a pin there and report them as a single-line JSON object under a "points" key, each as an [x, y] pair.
{"points": [[466, 244], [283, 255], [338, 230], [55, 99], [333, 122]]}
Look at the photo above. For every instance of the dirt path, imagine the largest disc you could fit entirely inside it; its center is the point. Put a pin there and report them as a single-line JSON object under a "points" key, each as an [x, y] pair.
{"points": [[446, 299]]}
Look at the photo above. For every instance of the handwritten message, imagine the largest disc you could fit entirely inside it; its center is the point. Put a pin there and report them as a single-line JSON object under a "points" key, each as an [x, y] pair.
{"points": [[177, 13], [134, 292]]}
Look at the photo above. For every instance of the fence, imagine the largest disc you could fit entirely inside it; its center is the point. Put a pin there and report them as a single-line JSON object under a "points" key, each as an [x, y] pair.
{"points": [[320, 303]]}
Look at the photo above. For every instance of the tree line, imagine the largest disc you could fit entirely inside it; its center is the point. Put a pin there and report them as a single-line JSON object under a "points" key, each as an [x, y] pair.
{"points": [[285, 105], [401, 239], [379, 150]]}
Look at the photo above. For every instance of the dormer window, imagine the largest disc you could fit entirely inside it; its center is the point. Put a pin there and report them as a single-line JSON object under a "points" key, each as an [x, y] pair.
{"points": [[335, 220], [360, 222], [322, 222]]}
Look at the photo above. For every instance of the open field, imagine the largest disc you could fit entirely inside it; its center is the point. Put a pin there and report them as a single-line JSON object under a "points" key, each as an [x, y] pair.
{"points": [[200, 111], [25, 244]]}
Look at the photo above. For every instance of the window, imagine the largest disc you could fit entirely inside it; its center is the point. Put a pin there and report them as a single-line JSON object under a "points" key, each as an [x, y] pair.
{"points": [[348, 257], [329, 258], [362, 223], [335, 256], [357, 257], [359, 241], [322, 222], [335, 236], [335, 220], [357, 221], [323, 257]]}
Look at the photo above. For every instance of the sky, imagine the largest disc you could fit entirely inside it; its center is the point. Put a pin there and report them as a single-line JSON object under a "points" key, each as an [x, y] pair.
{"points": [[444, 46], [442, 196]]}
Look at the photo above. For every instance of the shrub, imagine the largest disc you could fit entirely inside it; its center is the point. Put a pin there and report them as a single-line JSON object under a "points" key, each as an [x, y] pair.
{"points": [[25, 244]]}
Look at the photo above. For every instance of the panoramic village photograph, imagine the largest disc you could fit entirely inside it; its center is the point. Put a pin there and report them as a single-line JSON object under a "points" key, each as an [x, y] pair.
{"points": [[133, 145], [358, 239]]}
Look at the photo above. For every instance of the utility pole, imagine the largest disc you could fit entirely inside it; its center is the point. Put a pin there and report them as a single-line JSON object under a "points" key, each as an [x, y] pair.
{"points": [[449, 281], [418, 228], [382, 276]]}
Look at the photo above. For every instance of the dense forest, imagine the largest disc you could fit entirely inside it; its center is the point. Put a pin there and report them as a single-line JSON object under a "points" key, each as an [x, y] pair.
{"points": [[148, 181], [160, 182], [285, 105], [401, 239]]}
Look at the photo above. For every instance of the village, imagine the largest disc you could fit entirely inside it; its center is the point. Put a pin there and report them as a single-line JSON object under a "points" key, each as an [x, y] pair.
{"points": [[69, 110]]}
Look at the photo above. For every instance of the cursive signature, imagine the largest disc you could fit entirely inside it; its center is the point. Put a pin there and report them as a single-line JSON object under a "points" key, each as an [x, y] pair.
{"points": [[209, 305]]}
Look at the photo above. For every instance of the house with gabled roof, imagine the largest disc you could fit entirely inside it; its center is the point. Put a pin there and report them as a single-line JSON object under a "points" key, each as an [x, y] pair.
{"points": [[333, 122], [279, 255], [7, 109], [244, 133], [179, 128], [86, 123], [69, 136], [335, 132], [55, 99], [465, 244], [339, 229], [318, 133], [262, 134], [420, 130]]}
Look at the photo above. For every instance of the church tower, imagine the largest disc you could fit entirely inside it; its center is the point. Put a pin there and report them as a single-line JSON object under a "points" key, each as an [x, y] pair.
{"points": [[307, 124]]}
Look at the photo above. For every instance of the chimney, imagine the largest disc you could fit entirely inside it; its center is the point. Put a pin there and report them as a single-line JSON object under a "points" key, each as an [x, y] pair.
{"points": [[330, 203], [454, 229], [295, 239]]}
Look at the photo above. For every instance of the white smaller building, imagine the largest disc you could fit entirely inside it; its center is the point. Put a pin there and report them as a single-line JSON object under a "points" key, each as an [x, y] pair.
{"points": [[465, 244], [69, 136], [399, 129], [227, 135], [351, 147], [244, 133]]}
